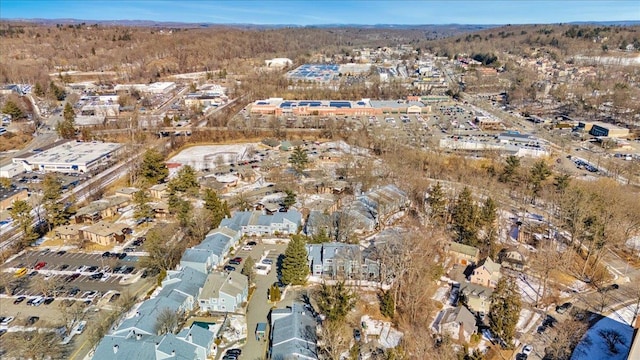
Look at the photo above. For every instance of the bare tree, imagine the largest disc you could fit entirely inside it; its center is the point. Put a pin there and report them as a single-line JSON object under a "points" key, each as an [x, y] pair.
{"points": [[167, 322], [612, 339], [334, 339]]}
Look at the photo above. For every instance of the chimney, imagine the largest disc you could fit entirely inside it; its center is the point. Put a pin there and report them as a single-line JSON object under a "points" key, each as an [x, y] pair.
{"points": [[138, 337], [137, 313], [190, 338], [115, 348], [173, 353], [157, 344]]}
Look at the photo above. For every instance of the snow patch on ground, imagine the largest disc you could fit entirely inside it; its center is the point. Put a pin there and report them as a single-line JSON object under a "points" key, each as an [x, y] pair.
{"points": [[441, 294], [237, 329], [527, 320], [594, 347], [202, 157], [387, 336], [529, 289]]}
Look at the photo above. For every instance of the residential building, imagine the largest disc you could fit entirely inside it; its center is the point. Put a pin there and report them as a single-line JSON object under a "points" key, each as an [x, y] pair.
{"points": [[476, 297], [69, 232], [487, 273], [464, 254], [224, 292], [514, 259], [75, 157], [190, 343], [101, 209], [104, 233], [127, 192], [293, 333], [458, 323], [218, 243], [341, 260], [259, 223], [159, 191]]}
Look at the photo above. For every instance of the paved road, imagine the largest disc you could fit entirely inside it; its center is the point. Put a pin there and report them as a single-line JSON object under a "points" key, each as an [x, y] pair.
{"points": [[258, 308]]}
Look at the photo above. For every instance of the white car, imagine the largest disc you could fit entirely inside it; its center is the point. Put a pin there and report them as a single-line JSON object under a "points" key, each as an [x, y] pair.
{"points": [[105, 277], [527, 349], [6, 320], [78, 329], [247, 247]]}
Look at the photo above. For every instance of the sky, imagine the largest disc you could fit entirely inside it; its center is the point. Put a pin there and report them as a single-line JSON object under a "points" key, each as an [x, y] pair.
{"points": [[317, 12]]}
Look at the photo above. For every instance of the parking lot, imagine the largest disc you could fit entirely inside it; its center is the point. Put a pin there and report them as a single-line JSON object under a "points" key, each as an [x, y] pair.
{"points": [[64, 278]]}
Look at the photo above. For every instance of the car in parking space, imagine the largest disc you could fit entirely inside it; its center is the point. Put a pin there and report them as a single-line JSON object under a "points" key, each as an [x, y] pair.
{"points": [[4, 321], [37, 301], [122, 256], [61, 252], [19, 300], [106, 254], [91, 294], [357, 335], [235, 261], [20, 272], [105, 277], [114, 297], [78, 329], [72, 277], [521, 356], [527, 349], [33, 273], [97, 276], [74, 291], [267, 261], [252, 243], [128, 269], [229, 268], [234, 351], [91, 269], [63, 267], [40, 265], [48, 300], [247, 248], [32, 320]]}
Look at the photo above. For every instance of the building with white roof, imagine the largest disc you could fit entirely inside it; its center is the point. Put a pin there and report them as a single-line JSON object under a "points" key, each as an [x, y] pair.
{"points": [[70, 157]]}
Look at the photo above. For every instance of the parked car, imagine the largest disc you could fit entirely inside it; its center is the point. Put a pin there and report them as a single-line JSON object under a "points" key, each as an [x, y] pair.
{"points": [[267, 261], [247, 248], [78, 329], [357, 335], [48, 300], [40, 265], [235, 261], [234, 351], [527, 349], [32, 320], [252, 243], [229, 268], [561, 309], [19, 299], [6, 320]]}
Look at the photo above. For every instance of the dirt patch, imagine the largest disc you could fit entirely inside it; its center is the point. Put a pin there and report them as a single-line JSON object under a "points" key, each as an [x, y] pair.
{"points": [[13, 141]]}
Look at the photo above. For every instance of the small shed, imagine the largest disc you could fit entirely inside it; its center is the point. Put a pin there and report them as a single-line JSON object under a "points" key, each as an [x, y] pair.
{"points": [[261, 331]]}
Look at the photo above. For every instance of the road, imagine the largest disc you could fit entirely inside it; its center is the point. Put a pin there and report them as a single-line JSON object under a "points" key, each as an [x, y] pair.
{"points": [[258, 308]]}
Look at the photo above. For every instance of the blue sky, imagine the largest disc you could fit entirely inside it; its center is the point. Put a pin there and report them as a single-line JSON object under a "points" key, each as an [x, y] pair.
{"points": [[328, 12]]}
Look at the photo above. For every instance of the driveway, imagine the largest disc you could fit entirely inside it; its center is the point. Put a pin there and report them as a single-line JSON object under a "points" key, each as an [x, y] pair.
{"points": [[259, 307]]}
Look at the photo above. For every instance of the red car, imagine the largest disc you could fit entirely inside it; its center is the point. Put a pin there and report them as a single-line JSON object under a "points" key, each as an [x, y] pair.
{"points": [[40, 265], [235, 261]]}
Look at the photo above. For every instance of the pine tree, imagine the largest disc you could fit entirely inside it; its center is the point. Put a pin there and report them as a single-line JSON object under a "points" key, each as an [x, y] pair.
{"points": [[142, 208], [539, 172], [290, 199], [465, 218], [66, 128], [218, 209], [11, 108], [153, 168], [274, 293], [21, 214], [438, 202], [38, 90], [249, 270], [335, 301], [185, 180], [51, 194], [505, 310], [510, 169], [387, 305], [294, 266], [299, 160]]}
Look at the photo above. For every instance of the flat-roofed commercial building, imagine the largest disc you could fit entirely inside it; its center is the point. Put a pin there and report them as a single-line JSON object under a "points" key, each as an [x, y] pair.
{"points": [[608, 130], [70, 157], [279, 107]]}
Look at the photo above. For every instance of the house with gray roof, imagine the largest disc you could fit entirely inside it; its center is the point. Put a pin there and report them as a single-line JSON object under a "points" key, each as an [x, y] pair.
{"points": [[341, 260], [487, 273], [218, 243], [385, 200], [458, 322], [224, 292], [293, 333], [184, 286], [476, 297], [259, 223], [202, 260], [190, 343]]}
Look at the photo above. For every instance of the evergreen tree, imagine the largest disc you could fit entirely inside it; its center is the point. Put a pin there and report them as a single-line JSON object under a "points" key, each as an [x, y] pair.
{"points": [[56, 92], [185, 181], [320, 237], [438, 202], [153, 168], [510, 169], [219, 209], [290, 199], [562, 182], [294, 266], [182, 209], [505, 310], [249, 270], [299, 160], [142, 208], [38, 90], [66, 128], [539, 172], [21, 214], [489, 212], [387, 305], [335, 301], [274, 293], [51, 194], [11, 108], [465, 218]]}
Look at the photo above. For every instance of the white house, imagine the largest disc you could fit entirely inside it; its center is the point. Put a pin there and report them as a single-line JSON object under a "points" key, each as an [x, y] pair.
{"points": [[224, 292]]}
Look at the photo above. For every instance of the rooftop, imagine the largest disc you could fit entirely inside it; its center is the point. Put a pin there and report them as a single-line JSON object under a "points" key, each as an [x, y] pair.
{"points": [[72, 152]]}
